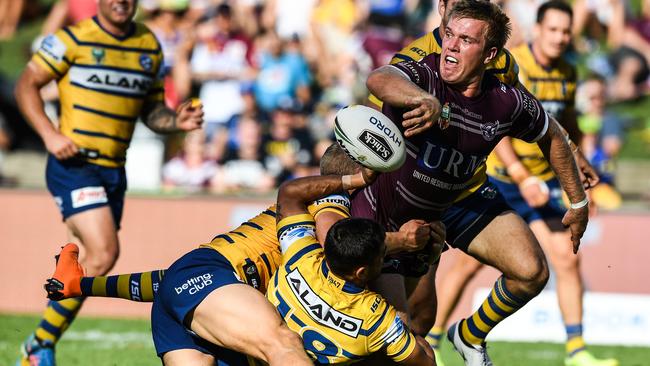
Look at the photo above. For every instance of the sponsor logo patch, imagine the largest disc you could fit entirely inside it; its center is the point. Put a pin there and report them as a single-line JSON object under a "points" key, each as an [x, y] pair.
{"points": [[377, 144], [319, 310], [195, 284], [53, 47], [88, 196]]}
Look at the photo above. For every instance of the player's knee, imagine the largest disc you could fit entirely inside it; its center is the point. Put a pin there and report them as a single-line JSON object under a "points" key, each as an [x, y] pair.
{"points": [[566, 264], [99, 262], [534, 275]]}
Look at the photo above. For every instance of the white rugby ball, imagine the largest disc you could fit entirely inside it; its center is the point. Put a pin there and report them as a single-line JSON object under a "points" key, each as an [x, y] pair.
{"points": [[370, 138]]}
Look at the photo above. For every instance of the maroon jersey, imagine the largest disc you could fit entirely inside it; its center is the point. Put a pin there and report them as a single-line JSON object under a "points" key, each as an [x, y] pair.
{"points": [[447, 162]]}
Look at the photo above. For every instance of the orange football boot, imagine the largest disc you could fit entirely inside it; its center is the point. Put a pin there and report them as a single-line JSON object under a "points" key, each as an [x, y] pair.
{"points": [[66, 280]]}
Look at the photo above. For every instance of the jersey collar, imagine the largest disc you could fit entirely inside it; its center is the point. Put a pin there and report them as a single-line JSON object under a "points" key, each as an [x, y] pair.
{"points": [[347, 287], [119, 38]]}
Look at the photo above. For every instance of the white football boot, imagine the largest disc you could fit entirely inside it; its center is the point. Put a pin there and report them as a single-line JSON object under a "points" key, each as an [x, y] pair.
{"points": [[474, 355]]}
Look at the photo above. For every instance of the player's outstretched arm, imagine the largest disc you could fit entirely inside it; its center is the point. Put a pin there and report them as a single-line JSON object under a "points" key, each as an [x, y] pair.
{"points": [[30, 103], [557, 151], [159, 118], [394, 87], [294, 195]]}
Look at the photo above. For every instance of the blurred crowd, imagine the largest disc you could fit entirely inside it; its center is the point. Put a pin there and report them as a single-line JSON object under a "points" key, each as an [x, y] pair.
{"points": [[271, 74]]}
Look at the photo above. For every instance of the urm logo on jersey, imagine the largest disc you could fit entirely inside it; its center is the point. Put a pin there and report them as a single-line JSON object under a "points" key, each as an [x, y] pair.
{"points": [[319, 310]]}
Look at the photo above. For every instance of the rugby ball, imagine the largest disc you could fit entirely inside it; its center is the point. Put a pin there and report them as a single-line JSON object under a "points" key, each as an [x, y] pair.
{"points": [[370, 138]]}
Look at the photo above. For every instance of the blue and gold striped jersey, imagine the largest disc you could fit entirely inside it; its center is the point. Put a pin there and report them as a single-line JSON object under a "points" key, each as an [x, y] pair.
{"points": [[504, 66], [104, 81], [555, 89], [253, 249], [339, 322]]}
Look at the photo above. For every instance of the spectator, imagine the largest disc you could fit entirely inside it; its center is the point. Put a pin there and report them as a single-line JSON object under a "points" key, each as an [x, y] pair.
{"points": [[242, 167], [220, 63], [164, 23], [190, 170], [602, 137], [287, 146], [283, 76], [630, 73]]}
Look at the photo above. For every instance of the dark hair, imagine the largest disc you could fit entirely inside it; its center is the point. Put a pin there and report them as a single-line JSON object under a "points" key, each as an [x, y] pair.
{"points": [[553, 4], [498, 23], [336, 161], [353, 243]]}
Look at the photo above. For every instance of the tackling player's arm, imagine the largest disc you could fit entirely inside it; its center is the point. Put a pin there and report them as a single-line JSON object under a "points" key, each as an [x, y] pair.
{"points": [[30, 102], [293, 196], [393, 85]]}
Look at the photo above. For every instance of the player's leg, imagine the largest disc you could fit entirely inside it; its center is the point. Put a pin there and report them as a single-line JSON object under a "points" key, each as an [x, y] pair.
{"points": [[68, 281], [449, 292], [91, 206], [521, 260], [556, 242], [187, 357], [240, 318], [484, 226], [202, 292]]}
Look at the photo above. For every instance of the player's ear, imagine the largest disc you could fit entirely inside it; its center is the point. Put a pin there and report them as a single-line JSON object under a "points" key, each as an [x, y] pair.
{"points": [[362, 273], [491, 55]]}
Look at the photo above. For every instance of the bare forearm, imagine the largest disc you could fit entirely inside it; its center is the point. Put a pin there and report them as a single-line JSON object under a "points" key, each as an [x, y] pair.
{"points": [[294, 195], [392, 87], [161, 119], [557, 151]]}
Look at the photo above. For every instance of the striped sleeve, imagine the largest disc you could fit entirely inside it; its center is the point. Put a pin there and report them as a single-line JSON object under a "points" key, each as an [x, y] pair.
{"points": [[336, 203], [297, 237], [390, 333], [157, 91], [55, 54], [530, 121]]}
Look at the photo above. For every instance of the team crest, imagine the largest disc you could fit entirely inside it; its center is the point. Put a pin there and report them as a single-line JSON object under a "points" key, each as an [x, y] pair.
{"points": [[146, 62], [98, 55], [489, 192], [445, 116], [489, 130]]}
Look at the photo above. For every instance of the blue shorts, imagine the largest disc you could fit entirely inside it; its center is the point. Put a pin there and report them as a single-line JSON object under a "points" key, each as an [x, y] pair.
{"points": [[185, 285], [555, 207], [78, 186], [464, 220]]}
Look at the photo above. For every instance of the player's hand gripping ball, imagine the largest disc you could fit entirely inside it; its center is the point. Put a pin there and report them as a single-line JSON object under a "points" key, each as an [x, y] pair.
{"points": [[370, 138]]}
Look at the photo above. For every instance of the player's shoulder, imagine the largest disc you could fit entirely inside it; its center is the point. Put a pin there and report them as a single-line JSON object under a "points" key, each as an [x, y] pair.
{"points": [[505, 67], [568, 70], [144, 35], [418, 48]]}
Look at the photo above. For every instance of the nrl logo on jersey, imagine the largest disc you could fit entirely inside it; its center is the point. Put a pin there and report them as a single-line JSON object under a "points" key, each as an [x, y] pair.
{"points": [[489, 129], [319, 310]]}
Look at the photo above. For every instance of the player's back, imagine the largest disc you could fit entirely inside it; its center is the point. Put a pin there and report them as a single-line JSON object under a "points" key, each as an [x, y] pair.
{"points": [[338, 321], [104, 81], [253, 249]]}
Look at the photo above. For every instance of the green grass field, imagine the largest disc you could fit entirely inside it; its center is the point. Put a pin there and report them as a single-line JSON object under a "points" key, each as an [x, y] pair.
{"points": [[108, 342]]}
